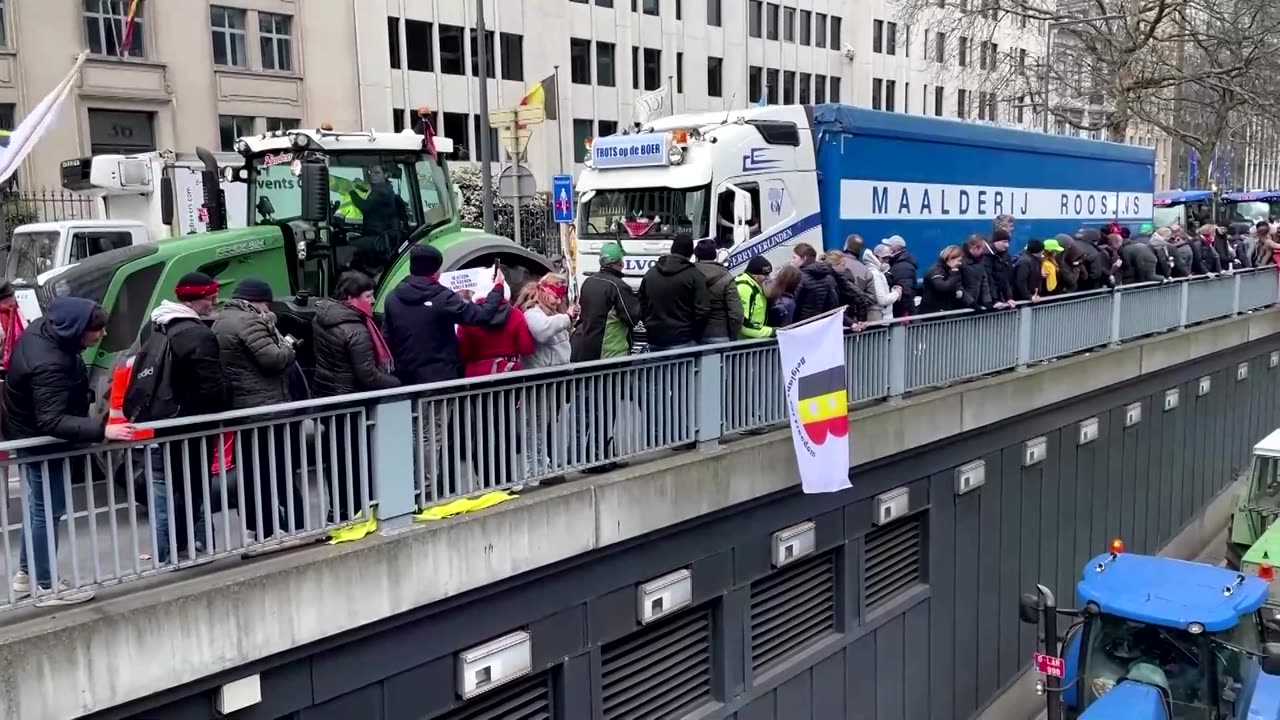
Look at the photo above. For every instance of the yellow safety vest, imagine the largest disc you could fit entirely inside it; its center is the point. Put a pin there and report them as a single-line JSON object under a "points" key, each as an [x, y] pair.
{"points": [[347, 209]]}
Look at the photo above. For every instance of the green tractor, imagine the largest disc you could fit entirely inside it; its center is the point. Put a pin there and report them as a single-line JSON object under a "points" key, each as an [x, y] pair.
{"points": [[301, 233], [1259, 505]]}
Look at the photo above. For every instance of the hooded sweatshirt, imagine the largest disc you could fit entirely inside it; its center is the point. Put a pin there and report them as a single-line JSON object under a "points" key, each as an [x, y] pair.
{"points": [[419, 322], [47, 388], [497, 346], [674, 302]]}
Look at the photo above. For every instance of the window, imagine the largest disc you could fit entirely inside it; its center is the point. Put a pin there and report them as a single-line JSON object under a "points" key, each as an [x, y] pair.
{"points": [[393, 41], [1018, 109], [104, 26], [652, 69], [771, 21], [286, 124], [834, 95], [940, 47], [495, 150], [789, 24], [635, 68], [805, 81], [890, 95], [582, 129], [877, 89], [806, 26], [906, 41], [420, 45], [232, 128], [86, 244], [962, 103], [121, 131], [1022, 60], [962, 51], [788, 87], [715, 77], [771, 86], [819, 89], [7, 111], [579, 61], [982, 56], [649, 7], [456, 128], [982, 105], [937, 100], [605, 63], [489, 59], [754, 10], [227, 25], [275, 41], [906, 98], [603, 3], [607, 128], [891, 39], [397, 119], [755, 84], [512, 47], [835, 33], [820, 30], [713, 13], [679, 10], [877, 36], [995, 57], [679, 72], [451, 53]]}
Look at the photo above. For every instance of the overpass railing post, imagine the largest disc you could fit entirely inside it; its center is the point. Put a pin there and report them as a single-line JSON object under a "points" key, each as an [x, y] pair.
{"points": [[1116, 309], [1235, 294], [393, 452], [708, 405], [1184, 304], [1022, 354], [897, 361]]}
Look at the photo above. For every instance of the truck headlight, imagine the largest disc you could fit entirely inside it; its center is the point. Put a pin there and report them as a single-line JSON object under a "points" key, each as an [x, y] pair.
{"points": [[675, 155]]}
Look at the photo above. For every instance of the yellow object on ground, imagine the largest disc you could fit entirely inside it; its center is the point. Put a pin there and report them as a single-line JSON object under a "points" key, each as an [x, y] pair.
{"points": [[355, 530], [463, 505]]}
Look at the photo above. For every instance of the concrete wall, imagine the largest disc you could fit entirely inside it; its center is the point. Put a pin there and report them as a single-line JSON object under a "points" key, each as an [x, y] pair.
{"points": [[215, 626]]}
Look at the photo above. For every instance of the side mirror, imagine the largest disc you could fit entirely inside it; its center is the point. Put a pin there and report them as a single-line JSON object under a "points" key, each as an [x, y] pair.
{"points": [[722, 256], [1271, 658], [314, 182], [168, 197], [1029, 609]]}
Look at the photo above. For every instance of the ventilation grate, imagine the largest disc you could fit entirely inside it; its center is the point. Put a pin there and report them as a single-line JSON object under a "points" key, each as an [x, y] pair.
{"points": [[661, 671], [891, 561], [524, 699], [790, 609]]}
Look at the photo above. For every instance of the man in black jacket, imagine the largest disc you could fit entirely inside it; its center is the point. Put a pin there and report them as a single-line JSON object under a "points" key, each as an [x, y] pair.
{"points": [[609, 311], [725, 322], [973, 275], [819, 289], [1027, 274], [1139, 264], [47, 393], [420, 317], [999, 268], [674, 300]]}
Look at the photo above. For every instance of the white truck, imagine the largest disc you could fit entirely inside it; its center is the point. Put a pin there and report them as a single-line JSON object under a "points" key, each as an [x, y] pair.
{"points": [[141, 198]]}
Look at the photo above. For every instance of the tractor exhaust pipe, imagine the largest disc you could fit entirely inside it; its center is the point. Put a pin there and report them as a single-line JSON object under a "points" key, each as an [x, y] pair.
{"points": [[215, 203]]}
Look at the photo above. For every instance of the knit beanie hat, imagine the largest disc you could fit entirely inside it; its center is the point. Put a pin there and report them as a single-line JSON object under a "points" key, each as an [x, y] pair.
{"points": [[195, 286], [252, 290], [424, 261]]}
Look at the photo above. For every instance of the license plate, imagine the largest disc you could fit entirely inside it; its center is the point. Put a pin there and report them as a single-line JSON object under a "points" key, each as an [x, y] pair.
{"points": [[28, 305], [1050, 665]]}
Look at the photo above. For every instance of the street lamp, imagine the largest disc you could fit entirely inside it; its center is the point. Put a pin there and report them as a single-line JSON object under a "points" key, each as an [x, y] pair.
{"points": [[1048, 51]]}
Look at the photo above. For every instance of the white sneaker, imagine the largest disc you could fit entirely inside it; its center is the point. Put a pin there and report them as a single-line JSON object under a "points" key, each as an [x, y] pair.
{"points": [[67, 595], [21, 583]]}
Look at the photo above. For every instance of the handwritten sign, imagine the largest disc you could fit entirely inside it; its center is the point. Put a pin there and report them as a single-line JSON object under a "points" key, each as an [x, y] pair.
{"points": [[1050, 665], [479, 281]]}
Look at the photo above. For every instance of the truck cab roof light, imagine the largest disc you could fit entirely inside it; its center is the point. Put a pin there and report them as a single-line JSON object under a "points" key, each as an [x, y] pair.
{"points": [[1117, 546]]}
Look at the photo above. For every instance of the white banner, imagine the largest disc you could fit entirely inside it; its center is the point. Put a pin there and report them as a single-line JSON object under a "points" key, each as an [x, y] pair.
{"points": [[37, 122], [649, 106], [818, 401], [875, 200], [478, 280]]}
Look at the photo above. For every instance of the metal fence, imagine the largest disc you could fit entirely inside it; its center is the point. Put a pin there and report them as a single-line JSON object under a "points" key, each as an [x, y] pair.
{"points": [[21, 207], [250, 481]]}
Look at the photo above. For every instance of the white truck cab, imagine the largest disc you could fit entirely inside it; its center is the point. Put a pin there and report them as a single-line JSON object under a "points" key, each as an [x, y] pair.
{"points": [[744, 178]]}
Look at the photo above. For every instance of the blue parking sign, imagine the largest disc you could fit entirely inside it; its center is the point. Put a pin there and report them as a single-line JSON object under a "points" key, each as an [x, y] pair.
{"points": [[562, 198]]}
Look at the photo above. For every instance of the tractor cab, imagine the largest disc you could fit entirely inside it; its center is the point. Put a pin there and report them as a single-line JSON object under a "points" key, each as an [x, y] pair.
{"points": [[1155, 639], [1259, 504]]}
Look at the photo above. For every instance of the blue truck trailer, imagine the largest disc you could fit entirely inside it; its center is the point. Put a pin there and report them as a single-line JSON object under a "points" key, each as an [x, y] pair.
{"points": [[760, 180]]}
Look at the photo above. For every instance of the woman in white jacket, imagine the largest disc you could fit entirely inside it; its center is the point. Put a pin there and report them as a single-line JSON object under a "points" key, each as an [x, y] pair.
{"points": [[547, 312], [876, 262]]}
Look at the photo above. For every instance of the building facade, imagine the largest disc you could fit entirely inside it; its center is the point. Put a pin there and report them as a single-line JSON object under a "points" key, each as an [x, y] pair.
{"points": [[196, 73]]}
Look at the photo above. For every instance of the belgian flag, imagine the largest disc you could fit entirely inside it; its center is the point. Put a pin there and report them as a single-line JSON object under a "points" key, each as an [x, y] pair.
{"points": [[823, 405], [543, 95]]}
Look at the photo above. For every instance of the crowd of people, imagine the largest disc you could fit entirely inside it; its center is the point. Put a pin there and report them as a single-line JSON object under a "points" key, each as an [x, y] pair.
{"points": [[186, 366]]}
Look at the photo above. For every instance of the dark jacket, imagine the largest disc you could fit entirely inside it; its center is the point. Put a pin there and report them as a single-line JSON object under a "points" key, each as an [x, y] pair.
{"points": [[853, 289], [255, 358], [782, 312], [608, 309], [198, 385], [1027, 280], [903, 269], [940, 286], [47, 389], [419, 319], [674, 302], [725, 319], [1072, 274], [818, 292], [346, 361], [1140, 264], [382, 209], [1204, 258], [999, 269], [975, 283], [1096, 269]]}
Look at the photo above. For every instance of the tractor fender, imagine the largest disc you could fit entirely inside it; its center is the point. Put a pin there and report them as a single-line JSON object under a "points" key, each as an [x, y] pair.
{"points": [[464, 253]]}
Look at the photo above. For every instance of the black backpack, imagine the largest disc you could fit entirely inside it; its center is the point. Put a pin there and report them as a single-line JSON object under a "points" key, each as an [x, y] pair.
{"points": [[150, 395]]}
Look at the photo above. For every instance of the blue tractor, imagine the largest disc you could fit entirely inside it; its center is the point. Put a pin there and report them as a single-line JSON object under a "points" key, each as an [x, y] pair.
{"points": [[1156, 639]]}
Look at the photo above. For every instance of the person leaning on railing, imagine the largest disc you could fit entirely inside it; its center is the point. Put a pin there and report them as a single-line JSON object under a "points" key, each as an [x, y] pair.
{"points": [[47, 394]]}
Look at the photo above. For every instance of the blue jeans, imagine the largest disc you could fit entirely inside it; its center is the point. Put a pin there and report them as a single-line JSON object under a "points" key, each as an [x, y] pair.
{"points": [[37, 518], [160, 509]]}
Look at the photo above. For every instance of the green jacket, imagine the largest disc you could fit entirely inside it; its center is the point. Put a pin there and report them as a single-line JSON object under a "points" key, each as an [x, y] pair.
{"points": [[755, 308]]}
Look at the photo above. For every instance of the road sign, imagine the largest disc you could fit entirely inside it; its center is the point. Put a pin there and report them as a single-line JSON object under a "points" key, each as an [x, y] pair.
{"points": [[521, 115], [1050, 665], [516, 181], [515, 140], [562, 198]]}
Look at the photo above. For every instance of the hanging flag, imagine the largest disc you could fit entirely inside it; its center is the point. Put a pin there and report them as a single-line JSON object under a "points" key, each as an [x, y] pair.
{"points": [[1193, 170], [764, 98], [36, 123], [650, 105], [130, 22], [817, 400], [543, 95], [427, 132]]}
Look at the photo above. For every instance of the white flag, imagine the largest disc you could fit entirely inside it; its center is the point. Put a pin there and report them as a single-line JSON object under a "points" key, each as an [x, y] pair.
{"points": [[650, 105], [818, 401], [36, 123]]}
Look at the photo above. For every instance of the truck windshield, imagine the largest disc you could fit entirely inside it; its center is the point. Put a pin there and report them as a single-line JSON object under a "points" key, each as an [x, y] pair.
{"points": [[1166, 216], [1168, 658], [1250, 212], [646, 212], [29, 254]]}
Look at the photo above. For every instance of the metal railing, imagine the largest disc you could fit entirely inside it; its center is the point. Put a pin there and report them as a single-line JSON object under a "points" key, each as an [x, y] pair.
{"points": [[253, 480]]}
